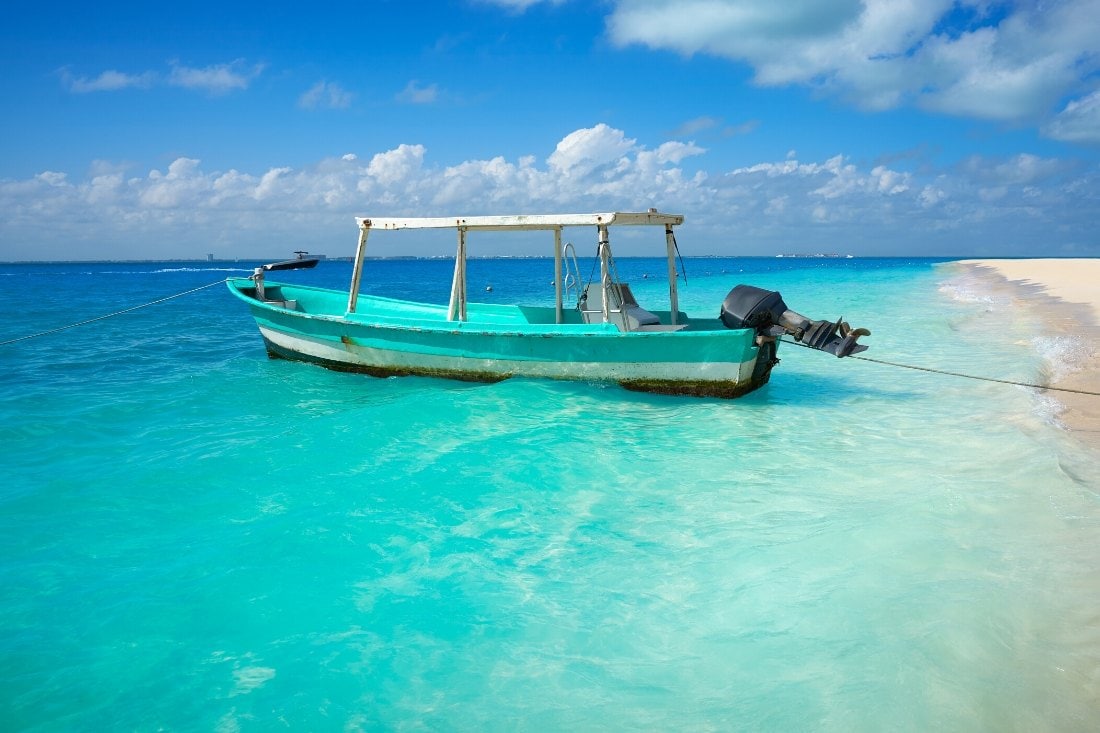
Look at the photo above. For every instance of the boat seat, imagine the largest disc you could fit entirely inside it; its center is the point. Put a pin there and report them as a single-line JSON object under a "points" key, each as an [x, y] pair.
{"points": [[628, 315]]}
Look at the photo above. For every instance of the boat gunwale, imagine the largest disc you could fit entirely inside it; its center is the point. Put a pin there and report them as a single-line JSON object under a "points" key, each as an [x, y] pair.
{"points": [[540, 330]]}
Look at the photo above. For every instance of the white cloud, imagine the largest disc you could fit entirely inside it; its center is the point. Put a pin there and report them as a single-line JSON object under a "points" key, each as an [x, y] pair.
{"points": [[583, 151], [326, 94], [53, 178], [997, 61], [104, 189], [182, 185], [1025, 204], [1020, 169], [520, 5], [930, 195], [105, 168], [777, 205], [733, 28], [742, 129], [215, 79], [108, 81], [888, 181], [414, 93], [707, 123], [1079, 122], [397, 165], [697, 125], [984, 74], [269, 183], [675, 151]]}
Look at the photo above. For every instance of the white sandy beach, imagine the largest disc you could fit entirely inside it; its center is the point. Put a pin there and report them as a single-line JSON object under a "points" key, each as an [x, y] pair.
{"points": [[1065, 293]]}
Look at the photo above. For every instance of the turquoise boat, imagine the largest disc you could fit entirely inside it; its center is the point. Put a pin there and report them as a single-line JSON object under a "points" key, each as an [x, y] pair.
{"points": [[595, 331]]}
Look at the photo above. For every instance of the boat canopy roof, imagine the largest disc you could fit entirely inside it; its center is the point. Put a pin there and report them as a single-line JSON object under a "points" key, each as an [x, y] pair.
{"points": [[524, 221], [456, 311]]}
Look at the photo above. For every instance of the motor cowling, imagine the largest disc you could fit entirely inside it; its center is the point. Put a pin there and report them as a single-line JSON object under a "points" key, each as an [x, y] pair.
{"points": [[751, 307], [765, 312]]}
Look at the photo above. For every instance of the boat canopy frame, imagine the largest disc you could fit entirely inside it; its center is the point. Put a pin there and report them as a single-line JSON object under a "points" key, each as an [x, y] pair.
{"points": [[456, 310]]}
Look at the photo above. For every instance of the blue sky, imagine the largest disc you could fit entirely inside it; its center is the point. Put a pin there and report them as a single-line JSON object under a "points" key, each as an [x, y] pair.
{"points": [[872, 127]]}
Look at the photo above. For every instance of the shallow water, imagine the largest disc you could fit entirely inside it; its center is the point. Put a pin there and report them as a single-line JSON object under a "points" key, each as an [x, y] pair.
{"points": [[193, 536]]}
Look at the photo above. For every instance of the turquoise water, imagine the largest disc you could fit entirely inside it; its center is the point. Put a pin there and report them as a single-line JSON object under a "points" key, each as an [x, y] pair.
{"points": [[194, 537]]}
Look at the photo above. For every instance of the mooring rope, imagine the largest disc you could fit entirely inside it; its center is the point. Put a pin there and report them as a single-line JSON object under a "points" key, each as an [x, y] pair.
{"points": [[957, 374], [112, 315]]}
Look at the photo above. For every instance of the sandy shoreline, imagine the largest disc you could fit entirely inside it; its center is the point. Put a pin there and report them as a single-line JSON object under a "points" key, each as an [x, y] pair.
{"points": [[1065, 294]]}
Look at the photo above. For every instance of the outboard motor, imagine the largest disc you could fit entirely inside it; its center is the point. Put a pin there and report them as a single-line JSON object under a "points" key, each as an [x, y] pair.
{"points": [[765, 312]]}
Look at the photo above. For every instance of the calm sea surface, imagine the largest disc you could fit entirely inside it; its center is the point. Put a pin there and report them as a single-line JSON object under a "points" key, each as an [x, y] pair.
{"points": [[195, 537]]}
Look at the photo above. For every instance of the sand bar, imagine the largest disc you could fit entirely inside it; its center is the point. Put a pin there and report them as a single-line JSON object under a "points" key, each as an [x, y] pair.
{"points": [[1065, 293], [1073, 281]]}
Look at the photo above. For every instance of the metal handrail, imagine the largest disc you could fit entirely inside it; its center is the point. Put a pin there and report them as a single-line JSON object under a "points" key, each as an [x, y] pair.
{"points": [[616, 285], [572, 280], [616, 289]]}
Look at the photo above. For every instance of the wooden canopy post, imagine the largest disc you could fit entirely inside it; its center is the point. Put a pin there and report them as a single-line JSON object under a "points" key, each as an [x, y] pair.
{"points": [[357, 270], [604, 249], [673, 297], [456, 311], [559, 316]]}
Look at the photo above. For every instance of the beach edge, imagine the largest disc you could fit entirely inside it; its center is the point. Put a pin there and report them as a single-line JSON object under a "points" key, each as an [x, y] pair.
{"points": [[1063, 295]]}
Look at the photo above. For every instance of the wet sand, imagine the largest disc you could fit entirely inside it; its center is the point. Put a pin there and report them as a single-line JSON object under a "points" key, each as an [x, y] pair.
{"points": [[1065, 294]]}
